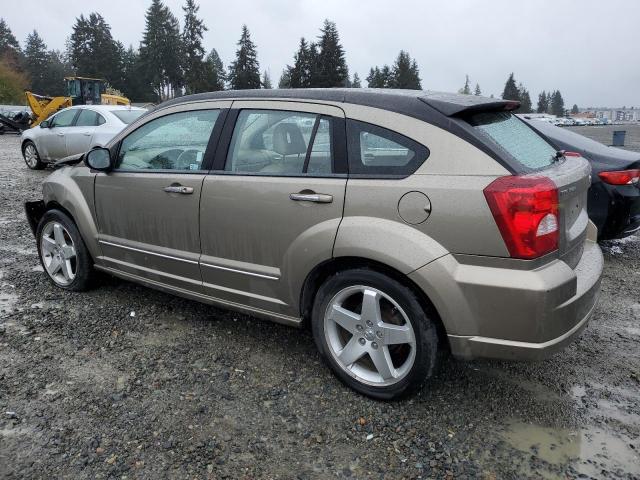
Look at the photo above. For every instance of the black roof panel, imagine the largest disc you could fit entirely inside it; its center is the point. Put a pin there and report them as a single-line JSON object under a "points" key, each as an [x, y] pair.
{"points": [[401, 101]]}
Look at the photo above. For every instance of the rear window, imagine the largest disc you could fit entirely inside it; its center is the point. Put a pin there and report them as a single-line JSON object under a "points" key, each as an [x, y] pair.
{"points": [[515, 138], [127, 116]]}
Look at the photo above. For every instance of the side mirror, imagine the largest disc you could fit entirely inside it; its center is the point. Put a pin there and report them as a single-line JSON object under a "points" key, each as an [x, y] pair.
{"points": [[98, 159], [44, 124]]}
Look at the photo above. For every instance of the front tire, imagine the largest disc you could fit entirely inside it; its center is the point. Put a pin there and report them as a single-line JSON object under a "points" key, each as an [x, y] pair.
{"points": [[63, 254], [374, 334], [31, 156]]}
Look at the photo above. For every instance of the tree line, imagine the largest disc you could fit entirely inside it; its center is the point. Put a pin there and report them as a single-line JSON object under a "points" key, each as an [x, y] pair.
{"points": [[550, 102], [171, 60]]}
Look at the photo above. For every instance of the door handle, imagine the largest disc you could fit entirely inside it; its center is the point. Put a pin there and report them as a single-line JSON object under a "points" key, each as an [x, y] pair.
{"points": [[178, 189], [311, 197], [86, 133], [60, 134]]}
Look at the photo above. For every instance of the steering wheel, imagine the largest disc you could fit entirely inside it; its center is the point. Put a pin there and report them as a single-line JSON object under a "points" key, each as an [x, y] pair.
{"points": [[186, 159]]}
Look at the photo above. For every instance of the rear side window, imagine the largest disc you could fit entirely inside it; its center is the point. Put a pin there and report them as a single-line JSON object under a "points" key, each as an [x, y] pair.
{"points": [[280, 143], [87, 118], [374, 150], [515, 138]]}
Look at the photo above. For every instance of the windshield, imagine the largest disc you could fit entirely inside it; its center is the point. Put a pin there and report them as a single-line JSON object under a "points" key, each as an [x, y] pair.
{"points": [[515, 138], [127, 116]]}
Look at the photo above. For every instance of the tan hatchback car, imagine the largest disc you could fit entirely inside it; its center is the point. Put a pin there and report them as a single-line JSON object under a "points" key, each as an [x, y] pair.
{"points": [[394, 222]]}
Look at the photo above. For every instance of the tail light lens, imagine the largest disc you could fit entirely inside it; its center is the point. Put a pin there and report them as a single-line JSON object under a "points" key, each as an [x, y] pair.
{"points": [[572, 154], [621, 177], [526, 212]]}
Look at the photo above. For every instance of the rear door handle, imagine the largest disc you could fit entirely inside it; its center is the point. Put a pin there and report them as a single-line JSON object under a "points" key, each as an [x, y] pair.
{"points": [[86, 133], [60, 134], [178, 189], [311, 197]]}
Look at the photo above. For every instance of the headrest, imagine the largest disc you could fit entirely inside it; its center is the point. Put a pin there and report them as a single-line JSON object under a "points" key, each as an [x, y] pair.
{"points": [[288, 139]]}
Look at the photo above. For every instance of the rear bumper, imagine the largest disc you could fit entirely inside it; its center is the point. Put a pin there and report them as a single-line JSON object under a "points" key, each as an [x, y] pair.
{"points": [[622, 206], [514, 314]]}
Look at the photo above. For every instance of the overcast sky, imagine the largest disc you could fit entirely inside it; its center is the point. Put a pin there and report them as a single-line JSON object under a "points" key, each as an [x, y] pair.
{"points": [[588, 49]]}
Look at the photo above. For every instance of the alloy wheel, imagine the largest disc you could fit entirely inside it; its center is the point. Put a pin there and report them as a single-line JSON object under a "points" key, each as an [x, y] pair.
{"points": [[58, 253], [369, 335], [31, 155]]}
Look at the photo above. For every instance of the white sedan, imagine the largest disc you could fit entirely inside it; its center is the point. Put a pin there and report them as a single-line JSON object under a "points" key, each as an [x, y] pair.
{"points": [[73, 131]]}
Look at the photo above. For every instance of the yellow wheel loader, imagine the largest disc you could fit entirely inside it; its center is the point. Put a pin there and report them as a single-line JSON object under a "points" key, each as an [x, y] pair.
{"points": [[80, 91]]}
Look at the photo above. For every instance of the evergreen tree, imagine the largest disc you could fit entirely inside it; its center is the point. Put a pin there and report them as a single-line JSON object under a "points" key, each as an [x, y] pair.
{"points": [[543, 103], [303, 73], [36, 60], [215, 74], [93, 51], [477, 92], [380, 78], [575, 109], [57, 67], [193, 63], [331, 65], [405, 73], [525, 99], [557, 104], [244, 72], [135, 83], [266, 80], [511, 89], [466, 90], [9, 46], [356, 81], [285, 78], [161, 52]]}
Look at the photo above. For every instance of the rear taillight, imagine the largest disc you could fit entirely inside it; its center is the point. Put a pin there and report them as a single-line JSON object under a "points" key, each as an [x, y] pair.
{"points": [[526, 212], [572, 154], [621, 177]]}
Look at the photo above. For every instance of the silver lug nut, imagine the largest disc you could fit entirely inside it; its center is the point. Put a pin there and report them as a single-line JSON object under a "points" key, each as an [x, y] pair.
{"points": [[362, 341], [374, 345], [359, 328], [379, 334], [369, 323]]}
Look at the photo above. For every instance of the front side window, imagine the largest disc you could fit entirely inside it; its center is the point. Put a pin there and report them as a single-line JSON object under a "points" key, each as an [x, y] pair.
{"points": [[174, 142], [276, 142], [64, 119], [374, 150], [87, 118], [515, 138]]}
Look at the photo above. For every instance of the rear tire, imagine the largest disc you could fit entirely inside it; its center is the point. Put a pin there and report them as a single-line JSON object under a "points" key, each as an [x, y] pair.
{"points": [[374, 334], [63, 254], [31, 156]]}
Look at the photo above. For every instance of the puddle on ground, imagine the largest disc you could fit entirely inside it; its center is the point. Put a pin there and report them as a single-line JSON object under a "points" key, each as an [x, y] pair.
{"points": [[7, 302], [587, 451]]}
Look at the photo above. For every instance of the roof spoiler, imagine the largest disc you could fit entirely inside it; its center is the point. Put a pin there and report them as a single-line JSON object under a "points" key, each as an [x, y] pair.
{"points": [[450, 104]]}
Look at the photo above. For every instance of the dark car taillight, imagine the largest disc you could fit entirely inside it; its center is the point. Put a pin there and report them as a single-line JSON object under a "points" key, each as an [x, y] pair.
{"points": [[525, 209], [621, 177]]}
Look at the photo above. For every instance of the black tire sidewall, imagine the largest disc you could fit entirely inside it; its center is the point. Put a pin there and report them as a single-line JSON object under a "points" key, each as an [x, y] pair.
{"points": [[40, 164], [423, 327], [84, 263]]}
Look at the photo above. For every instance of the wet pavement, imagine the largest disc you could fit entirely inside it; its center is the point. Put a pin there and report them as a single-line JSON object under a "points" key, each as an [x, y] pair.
{"points": [[127, 382]]}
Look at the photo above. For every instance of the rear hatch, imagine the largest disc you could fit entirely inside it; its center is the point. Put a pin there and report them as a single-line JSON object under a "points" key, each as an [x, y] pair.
{"points": [[527, 153]]}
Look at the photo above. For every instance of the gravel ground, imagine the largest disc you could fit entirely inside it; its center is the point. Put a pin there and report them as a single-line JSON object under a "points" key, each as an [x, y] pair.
{"points": [[127, 382]]}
